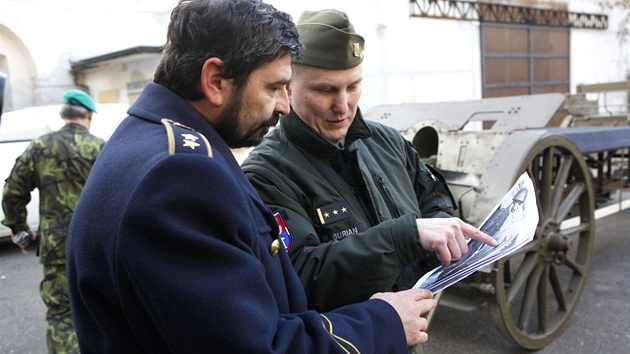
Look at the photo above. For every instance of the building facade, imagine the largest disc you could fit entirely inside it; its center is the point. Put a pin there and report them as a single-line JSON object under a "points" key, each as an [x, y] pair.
{"points": [[416, 50]]}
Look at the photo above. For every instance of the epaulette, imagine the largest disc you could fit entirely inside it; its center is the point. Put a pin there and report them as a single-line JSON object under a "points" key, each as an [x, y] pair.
{"points": [[185, 139]]}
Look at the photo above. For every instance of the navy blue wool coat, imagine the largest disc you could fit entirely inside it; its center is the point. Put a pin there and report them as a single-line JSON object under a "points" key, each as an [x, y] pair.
{"points": [[170, 251]]}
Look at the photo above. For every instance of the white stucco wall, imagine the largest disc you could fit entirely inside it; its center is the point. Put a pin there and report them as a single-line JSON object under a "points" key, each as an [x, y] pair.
{"points": [[15, 58], [600, 56], [432, 60], [55, 32], [407, 59], [118, 74]]}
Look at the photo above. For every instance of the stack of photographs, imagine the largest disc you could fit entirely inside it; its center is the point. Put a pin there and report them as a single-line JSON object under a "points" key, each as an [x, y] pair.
{"points": [[512, 223]]}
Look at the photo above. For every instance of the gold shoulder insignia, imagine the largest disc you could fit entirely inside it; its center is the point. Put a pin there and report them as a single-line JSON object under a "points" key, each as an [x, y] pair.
{"points": [[185, 139]]}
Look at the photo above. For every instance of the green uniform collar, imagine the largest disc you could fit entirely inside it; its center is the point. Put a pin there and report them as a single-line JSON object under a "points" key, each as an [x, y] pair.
{"points": [[307, 138], [74, 127]]}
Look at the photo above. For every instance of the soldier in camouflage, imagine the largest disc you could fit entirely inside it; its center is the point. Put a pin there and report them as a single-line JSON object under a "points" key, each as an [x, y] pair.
{"points": [[57, 164]]}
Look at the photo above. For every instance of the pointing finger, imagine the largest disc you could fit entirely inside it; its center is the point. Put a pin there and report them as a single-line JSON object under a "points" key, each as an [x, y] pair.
{"points": [[476, 234]]}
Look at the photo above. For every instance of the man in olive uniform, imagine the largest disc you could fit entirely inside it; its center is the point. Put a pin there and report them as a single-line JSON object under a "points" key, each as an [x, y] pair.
{"points": [[57, 164], [362, 212]]}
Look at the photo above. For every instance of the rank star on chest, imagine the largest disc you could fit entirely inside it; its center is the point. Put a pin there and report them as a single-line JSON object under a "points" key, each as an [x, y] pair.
{"points": [[190, 141], [333, 212], [336, 212]]}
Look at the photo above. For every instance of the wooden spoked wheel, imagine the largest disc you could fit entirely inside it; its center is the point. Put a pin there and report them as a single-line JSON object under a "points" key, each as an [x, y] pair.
{"points": [[538, 287]]}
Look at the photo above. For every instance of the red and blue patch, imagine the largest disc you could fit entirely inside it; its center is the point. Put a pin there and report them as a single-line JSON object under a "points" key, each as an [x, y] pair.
{"points": [[285, 235]]}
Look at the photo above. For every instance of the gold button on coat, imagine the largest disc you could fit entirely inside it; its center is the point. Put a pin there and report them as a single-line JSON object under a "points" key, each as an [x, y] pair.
{"points": [[275, 247]]}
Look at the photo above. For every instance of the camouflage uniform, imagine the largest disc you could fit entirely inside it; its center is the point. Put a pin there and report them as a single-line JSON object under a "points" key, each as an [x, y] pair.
{"points": [[58, 165]]}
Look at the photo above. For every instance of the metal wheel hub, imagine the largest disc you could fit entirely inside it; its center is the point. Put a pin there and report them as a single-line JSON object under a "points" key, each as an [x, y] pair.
{"points": [[559, 243]]}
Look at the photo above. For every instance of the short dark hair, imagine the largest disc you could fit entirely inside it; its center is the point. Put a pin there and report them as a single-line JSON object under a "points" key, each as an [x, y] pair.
{"points": [[73, 111], [244, 34]]}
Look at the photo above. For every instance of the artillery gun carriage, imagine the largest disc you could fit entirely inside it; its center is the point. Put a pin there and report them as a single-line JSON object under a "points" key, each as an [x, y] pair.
{"points": [[602, 105], [533, 292]]}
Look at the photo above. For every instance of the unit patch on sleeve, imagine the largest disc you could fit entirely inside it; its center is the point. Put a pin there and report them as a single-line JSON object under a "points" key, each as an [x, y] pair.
{"points": [[285, 235]]}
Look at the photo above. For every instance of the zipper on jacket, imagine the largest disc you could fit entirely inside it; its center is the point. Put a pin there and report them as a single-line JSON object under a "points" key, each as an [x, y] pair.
{"points": [[359, 189], [389, 200]]}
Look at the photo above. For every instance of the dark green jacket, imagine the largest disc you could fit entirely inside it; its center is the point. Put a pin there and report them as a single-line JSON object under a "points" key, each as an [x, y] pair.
{"points": [[351, 210], [58, 165]]}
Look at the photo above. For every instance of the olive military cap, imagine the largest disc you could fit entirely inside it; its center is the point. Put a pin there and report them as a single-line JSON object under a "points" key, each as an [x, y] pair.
{"points": [[78, 97], [329, 40]]}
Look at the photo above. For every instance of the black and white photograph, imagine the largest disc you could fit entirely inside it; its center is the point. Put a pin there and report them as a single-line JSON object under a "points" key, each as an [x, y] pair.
{"points": [[512, 223]]}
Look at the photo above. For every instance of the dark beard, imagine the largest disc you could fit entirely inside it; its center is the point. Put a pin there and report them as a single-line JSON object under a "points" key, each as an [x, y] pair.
{"points": [[230, 121]]}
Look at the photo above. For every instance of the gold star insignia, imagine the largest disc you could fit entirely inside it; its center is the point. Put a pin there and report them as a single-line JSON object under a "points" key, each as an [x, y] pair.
{"points": [[326, 215], [344, 209], [335, 212]]}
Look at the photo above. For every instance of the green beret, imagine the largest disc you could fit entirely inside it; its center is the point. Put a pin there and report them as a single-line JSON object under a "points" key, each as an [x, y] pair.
{"points": [[78, 97], [329, 40]]}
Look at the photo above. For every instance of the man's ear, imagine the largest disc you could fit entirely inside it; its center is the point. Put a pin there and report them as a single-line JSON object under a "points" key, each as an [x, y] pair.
{"points": [[213, 84], [289, 91]]}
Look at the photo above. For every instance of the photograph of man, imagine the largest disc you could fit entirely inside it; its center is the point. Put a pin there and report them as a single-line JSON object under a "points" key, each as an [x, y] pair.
{"points": [[504, 225]]}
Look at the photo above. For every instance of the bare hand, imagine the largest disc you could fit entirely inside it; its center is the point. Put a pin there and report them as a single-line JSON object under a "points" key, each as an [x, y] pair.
{"points": [[410, 304], [448, 237], [30, 232]]}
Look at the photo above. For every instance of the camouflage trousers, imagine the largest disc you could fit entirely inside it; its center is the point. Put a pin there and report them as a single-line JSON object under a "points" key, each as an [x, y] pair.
{"points": [[61, 337]]}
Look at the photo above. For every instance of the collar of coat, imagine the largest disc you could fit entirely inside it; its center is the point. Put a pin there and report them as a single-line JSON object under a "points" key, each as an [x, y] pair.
{"points": [[74, 127], [299, 133]]}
